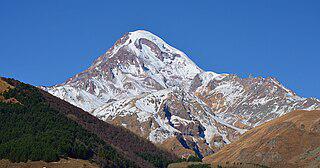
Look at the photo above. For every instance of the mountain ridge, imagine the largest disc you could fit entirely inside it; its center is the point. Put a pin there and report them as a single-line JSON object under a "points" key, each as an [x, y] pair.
{"points": [[143, 75]]}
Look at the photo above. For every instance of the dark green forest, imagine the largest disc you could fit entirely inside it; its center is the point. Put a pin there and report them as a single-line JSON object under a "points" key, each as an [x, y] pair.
{"points": [[31, 130], [39, 126]]}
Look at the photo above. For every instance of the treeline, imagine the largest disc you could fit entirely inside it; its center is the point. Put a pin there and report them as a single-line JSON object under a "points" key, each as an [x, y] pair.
{"points": [[190, 159], [32, 130]]}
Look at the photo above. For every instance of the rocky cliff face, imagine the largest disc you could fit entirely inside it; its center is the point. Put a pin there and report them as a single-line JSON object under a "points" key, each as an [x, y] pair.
{"points": [[156, 91]]}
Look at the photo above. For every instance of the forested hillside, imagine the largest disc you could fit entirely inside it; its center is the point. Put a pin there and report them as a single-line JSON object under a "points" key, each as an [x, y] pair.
{"points": [[39, 126]]}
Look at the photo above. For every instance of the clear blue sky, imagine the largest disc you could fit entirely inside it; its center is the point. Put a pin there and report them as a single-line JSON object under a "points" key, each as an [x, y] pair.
{"points": [[44, 42]]}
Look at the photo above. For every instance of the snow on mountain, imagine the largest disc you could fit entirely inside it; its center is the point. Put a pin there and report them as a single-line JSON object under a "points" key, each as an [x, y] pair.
{"points": [[161, 115], [139, 62], [248, 102], [156, 91]]}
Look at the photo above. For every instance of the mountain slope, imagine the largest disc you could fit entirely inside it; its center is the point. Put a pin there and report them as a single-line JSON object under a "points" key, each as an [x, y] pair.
{"points": [[292, 140], [161, 115], [138, 62], [248, 102], [156, 91], [39, 126]]}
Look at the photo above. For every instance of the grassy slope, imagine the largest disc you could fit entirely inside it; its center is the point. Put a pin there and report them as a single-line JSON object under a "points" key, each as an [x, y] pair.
{"points": [[289, 141]]}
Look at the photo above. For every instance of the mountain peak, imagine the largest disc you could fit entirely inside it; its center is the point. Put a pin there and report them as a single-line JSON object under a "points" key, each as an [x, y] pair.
{"points": [[140, 52], [154, 89], [138, 62], [143, 34], [147, 47]]}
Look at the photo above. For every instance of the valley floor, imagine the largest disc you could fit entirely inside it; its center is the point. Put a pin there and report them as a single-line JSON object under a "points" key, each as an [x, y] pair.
{"points": [[204, 165], [63, 163]]}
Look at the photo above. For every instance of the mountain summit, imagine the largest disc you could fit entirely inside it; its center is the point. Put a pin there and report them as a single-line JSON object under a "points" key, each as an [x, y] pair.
{"points": [[138, 62], [156, 91]]}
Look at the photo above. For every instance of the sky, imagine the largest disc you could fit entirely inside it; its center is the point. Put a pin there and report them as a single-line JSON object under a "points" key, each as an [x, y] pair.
{"points": [[44, 42]]}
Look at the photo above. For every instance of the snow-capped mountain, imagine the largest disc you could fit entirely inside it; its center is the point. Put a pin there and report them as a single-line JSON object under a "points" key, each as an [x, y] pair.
{"points": [[156, 91], [139, 62]]}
